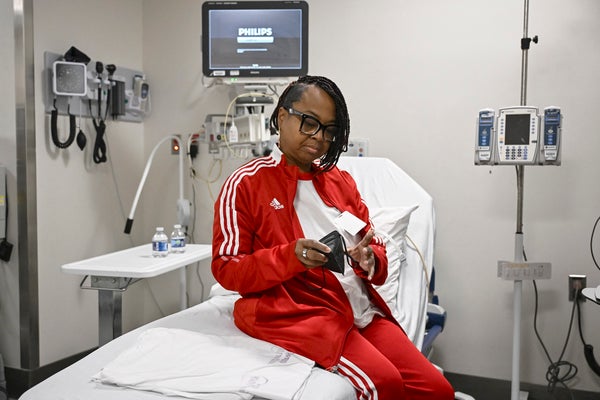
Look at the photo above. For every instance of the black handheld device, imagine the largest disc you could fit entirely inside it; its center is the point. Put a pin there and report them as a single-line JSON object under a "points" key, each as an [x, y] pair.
{"points": [[335, 259]]}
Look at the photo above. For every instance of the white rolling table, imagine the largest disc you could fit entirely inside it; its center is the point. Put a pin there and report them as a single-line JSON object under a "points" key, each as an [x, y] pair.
{"points": [[112, 273], [590, 293]]}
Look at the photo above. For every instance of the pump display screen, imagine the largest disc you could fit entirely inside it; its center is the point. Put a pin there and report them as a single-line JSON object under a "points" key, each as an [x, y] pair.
{"points": [[254, 39], [517, 129]]}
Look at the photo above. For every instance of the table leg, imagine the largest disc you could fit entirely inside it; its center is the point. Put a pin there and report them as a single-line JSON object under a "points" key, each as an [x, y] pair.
{"points": [[183, 288], [109, 315]]}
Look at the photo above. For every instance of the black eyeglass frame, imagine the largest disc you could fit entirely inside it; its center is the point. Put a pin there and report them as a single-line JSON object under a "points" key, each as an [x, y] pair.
{"points": [[320, 126]]}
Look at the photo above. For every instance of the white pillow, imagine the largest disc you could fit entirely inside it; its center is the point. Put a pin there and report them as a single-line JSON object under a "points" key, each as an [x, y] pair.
{"points": [[391, 224]]}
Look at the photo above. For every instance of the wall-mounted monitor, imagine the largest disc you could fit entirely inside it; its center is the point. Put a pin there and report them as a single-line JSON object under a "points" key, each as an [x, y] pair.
{"points": [[69, 78], [254, 39]]}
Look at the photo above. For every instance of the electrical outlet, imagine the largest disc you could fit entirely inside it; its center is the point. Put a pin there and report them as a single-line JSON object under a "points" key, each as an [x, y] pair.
{"points": [[213, 147], [576, 284]]}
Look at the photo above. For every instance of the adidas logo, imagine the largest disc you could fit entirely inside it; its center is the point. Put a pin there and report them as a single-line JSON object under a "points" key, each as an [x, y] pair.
{"points": [[276, 204]]}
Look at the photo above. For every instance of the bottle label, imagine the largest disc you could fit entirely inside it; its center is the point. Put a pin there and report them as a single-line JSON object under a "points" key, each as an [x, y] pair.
{"points": [[160, 246], [175, 243]]}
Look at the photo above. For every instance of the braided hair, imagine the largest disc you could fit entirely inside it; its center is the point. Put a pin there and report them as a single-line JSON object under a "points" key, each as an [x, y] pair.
{"points": [[293, 93]]}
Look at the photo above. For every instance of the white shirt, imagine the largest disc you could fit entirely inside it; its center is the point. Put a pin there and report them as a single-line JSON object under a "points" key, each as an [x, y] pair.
{"points": [[317, 220]]}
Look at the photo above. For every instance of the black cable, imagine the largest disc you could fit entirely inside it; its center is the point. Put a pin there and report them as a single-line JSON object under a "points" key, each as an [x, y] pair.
{"points": [[54, 128], [554, 375], [588, 350], [592, 242], [99, 144], [579, 323], [5, 246], [110, 68], [99, 154], [108, 96]]}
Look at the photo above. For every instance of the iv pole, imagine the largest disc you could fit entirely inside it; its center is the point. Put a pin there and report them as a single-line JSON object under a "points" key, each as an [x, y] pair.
{"points": [[519, 252]]}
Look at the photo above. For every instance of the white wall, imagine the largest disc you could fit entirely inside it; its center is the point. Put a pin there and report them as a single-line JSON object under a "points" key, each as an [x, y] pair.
{"points": [[173, 63], [78, 209], [414, 73]]}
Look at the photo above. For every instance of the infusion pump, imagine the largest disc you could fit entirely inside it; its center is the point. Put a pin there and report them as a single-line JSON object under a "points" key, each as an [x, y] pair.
{"points": [[513, 136]]}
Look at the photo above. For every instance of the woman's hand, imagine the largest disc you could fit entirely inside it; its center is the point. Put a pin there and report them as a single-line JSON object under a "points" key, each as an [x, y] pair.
{"points": [[306, 251], [363, 254]]}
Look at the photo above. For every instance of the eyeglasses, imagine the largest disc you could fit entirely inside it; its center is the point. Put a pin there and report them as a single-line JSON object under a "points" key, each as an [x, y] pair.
{"points": [[310, 126]]}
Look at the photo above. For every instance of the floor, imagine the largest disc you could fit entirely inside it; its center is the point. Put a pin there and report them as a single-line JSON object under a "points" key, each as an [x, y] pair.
{"points": [[496, 389]]}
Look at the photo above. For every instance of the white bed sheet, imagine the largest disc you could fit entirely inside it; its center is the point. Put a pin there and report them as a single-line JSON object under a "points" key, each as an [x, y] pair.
{"points": [[213, 316], [382, 184]]}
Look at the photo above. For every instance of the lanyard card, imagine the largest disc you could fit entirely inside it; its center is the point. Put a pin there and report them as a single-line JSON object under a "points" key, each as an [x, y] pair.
{"points": [[349, 222]]}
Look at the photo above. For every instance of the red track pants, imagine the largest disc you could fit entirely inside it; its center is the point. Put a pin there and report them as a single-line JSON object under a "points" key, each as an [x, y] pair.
{"points": [[383, 364]]}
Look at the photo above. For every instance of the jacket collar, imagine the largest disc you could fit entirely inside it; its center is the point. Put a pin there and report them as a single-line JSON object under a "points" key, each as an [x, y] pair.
{"points": [[292, 171]]}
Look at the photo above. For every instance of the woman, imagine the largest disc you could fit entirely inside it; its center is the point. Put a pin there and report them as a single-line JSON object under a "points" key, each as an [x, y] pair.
{"points": [[268, 219]]}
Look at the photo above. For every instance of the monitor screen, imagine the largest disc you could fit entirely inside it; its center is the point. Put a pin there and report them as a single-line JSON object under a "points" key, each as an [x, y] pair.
{"points": [[255, 39], [517, 129]]}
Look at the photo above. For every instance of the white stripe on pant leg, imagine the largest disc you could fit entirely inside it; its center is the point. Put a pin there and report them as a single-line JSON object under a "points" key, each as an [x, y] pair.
{"points": [[366, 385], [357, 382]]}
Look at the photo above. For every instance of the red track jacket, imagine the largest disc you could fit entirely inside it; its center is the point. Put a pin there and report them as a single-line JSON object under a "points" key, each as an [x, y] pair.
{"points": [[255, 229]]}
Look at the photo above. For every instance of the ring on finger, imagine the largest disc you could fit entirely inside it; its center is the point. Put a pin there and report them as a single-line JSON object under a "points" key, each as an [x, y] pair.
{"points": [[305, 253]]}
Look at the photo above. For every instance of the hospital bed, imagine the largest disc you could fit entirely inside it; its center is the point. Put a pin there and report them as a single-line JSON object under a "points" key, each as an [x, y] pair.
{"points": [[199, 353]]}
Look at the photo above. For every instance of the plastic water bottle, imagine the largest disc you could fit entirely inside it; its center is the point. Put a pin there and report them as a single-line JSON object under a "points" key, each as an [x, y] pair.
{"points": [[177, 240], [160, 243]]}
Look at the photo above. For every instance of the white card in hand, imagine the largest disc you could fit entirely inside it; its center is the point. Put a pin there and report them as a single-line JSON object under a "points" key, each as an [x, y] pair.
{"points": [[349, 222]]}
